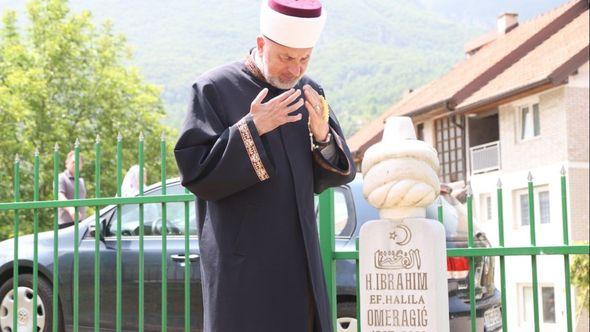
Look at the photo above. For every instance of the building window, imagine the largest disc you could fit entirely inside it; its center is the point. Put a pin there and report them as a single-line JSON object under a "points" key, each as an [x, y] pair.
{"points": [[450, 142], [420, 131], [527, 314], [524, 210], [486, 207], [548, 297], [542, 206], [527, 305], [530, 124], [489, 207]]}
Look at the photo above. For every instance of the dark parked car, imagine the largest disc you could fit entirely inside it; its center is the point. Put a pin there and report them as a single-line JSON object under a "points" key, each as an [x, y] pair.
{"points": [[130, 268], [351, 211]]}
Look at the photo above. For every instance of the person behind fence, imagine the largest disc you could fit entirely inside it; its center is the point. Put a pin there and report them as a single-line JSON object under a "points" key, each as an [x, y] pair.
{"points": [[130, 185], [66, 191], [258, 140]]}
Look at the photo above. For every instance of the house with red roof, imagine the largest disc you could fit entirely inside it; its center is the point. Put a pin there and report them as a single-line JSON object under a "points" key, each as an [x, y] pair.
{"points": [[517, 103]]}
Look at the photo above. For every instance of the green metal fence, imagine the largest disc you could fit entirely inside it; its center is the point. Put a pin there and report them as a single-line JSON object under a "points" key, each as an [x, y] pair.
{"points": [[97, 202], [326, 229], [330, 255]]}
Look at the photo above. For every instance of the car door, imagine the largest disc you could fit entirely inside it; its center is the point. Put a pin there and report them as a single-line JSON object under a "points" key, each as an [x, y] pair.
{"points": [[86, 281], [129, 270], [152, 267], [345, 224], [175, 215], [175, 218]]}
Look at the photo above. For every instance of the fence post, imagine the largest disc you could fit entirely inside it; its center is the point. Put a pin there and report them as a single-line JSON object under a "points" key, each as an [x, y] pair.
{"points": [[566, 257], [358, 288], [328, 246], [97, 232], [76, 292], [35, 238], [502, 262], [141, 236], [119, 300], [55, 302], [472, 309], [15, 273], [531, 198], [164, 236]]}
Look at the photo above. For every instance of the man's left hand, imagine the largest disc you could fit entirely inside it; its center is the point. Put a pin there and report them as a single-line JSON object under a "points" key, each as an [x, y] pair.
{"points": [[318, 126]]}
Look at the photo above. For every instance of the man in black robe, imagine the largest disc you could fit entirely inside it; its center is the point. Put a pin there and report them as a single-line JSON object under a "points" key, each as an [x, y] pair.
{"points": [[256, 144]]}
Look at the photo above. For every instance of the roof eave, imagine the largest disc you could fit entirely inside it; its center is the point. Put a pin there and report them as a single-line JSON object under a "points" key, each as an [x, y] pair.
{"points": [[481, 104], [558, 77]]}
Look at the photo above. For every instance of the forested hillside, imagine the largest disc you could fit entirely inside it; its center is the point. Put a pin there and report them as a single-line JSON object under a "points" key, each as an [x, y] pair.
{"points": [[371, 51]]}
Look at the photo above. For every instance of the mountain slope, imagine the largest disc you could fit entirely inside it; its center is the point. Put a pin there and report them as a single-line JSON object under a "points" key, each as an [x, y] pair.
{"points": [[370, 52]]}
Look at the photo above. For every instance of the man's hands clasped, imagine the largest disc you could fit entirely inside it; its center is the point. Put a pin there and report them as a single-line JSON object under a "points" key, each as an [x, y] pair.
{"points": [[275, 113]]}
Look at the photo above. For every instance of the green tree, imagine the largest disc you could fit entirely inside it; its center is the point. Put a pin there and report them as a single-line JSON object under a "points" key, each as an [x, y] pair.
{"points": [[580, 270], [63, 78]]}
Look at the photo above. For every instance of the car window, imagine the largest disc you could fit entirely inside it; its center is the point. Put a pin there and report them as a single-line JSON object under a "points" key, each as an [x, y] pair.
{"points": [[152, 217], [340, 212], [344, 221]]}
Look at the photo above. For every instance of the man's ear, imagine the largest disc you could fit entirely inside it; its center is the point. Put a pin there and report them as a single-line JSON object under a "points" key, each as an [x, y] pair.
{"points": [[260, 44]]}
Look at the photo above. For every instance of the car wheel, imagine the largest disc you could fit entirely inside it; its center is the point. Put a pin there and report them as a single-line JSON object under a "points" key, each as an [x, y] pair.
{"points": [[346, 316], [25, 305]]}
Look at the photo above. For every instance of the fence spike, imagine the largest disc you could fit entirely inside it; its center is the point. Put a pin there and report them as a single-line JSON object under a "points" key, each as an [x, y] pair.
{"points": [[499, 183], [530, 177], [77, 143], [56, 147], [562, 170], [119, 137], [36, 152], [469, 190], [439, 201], [141, 137], [97, 138], [163, 137], [17, 158]]}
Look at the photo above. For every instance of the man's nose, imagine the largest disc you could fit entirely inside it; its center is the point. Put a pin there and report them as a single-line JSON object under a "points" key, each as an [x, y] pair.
{"points": [[295, 70]]}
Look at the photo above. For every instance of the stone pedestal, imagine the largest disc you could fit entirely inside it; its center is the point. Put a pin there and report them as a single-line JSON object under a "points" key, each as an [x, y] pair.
{"points": [[402, 257], [403, 280]]}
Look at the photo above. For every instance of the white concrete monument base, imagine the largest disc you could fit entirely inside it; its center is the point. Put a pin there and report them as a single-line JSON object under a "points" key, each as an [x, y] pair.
{"points": [[403, 279], [402, 257]]}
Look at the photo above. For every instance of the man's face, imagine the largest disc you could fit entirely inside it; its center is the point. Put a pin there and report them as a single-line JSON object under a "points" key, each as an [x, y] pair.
{"points": [[71, 166], [282, 66]]}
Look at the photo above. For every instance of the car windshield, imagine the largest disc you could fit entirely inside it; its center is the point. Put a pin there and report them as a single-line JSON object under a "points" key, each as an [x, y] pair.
{"points": [[152, 217]]}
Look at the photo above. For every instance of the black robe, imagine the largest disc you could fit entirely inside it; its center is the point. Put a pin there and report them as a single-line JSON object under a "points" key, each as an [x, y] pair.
{"points": [[260, 258]]}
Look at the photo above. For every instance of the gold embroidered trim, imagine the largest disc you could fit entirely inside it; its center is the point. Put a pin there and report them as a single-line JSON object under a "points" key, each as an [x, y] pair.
{"points": [[252, 151], [325, 109], [251, 65]]}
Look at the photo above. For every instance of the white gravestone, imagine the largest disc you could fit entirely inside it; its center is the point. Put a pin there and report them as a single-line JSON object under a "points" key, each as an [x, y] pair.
{"points": [[402, 257]]}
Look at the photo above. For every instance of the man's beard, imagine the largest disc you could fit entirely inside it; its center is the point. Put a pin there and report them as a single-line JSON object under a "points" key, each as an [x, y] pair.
{"points": [[274, 81]]}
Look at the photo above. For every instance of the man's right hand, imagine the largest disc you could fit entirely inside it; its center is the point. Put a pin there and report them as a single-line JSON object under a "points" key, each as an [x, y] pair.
{"points": [[71, 211], [275, 112]]}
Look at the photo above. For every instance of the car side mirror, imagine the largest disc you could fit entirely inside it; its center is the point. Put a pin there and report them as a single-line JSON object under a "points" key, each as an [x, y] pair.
{"points": [[92, 230]]}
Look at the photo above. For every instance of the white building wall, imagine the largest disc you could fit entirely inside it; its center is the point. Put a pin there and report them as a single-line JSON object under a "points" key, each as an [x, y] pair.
{"points": [[429, 133], [518, 269], [543, 156]]}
